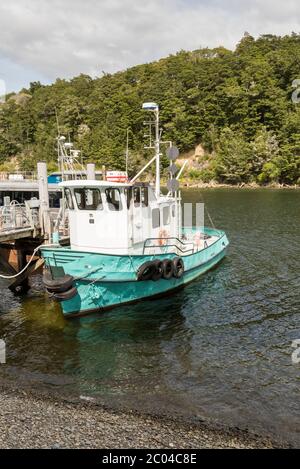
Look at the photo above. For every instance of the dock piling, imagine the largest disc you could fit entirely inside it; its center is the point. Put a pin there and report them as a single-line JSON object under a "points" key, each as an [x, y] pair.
{"points": [[44, 200], [91, 173]]}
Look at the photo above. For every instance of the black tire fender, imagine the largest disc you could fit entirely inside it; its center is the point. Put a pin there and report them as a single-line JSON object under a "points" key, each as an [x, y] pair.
{"points": [[168, 269], [58, 285], [146, 271], [178, 267], [158, 273]]}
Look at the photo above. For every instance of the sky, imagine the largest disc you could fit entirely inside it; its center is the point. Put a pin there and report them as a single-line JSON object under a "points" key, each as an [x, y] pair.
{"points": [[41, 40]]}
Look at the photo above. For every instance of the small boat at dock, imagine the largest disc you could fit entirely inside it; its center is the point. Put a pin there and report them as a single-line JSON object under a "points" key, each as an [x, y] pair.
{"points": [[127, 242]]}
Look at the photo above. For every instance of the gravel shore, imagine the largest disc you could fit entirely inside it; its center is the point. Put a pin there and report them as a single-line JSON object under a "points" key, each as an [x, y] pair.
{"points": [[29, 421]]}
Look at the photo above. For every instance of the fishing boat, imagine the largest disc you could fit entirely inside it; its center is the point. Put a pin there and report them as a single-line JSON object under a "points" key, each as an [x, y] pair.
{"points": [[127, 241]]}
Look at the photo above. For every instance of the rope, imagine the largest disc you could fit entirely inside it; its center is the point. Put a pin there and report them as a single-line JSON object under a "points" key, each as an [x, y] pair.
{"points": [[210, 218], [10, 277], [207, 211]]}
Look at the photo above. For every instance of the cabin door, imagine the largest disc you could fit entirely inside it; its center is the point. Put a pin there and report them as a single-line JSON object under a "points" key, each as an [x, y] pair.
{"points": [[137, 216]]}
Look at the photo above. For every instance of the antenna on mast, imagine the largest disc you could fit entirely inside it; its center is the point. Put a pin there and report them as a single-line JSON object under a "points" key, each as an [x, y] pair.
{"points": [[70, 159], [57, 122], [127, 150]]}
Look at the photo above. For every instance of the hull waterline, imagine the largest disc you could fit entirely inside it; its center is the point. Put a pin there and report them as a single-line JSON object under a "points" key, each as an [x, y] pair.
{"points": [[163, 294], [115, 283]]}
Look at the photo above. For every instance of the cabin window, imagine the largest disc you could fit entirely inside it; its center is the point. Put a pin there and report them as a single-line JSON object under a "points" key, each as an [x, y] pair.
{"points": [[144, 196], [137, 196], [166, 215], [155, 218], [88, 199], [69, 199], [113, 198]]}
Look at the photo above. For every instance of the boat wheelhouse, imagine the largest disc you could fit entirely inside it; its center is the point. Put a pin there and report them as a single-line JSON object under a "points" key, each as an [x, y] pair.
{"points": [[116, 218]]}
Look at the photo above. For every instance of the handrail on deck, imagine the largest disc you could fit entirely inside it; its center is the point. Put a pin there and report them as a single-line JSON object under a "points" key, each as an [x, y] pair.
{"points": [[192, 249]]}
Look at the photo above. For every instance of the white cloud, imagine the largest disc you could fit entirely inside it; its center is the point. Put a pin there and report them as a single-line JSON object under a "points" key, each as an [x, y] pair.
{"points": [[66, 37]]}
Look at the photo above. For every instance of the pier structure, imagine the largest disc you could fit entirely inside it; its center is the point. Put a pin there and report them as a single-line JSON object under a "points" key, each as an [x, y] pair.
{"points": [[33, 213], [24, 227]]}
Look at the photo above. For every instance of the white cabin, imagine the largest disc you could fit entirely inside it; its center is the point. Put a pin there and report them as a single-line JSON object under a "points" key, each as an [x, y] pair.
{"points": [[116, 218]]}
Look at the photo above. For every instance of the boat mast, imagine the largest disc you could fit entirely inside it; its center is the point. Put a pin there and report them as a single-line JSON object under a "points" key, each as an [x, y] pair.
{"points": [[61, 155], [127, 151], [157, 152]]}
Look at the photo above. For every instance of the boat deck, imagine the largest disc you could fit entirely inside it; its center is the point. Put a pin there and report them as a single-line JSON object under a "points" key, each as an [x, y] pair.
{"points": [[192, 241]]}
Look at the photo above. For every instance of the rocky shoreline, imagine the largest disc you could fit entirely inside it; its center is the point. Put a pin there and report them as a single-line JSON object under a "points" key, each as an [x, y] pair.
{"points": [[28, 420]]}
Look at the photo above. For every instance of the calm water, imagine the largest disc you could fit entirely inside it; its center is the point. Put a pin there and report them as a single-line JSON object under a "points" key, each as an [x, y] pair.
{"points": [[219, 349]]}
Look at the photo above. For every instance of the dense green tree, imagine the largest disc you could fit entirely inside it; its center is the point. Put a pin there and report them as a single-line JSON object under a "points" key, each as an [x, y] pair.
{"points": [[265, 148], [233, 161], [237, 104]]}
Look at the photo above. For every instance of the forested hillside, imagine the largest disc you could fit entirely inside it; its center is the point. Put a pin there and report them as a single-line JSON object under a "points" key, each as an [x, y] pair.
{"points": [[236, 104]]}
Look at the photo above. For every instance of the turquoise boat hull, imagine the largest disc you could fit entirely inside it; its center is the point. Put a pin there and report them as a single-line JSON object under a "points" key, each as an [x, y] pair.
{"points": [[105, 281]]}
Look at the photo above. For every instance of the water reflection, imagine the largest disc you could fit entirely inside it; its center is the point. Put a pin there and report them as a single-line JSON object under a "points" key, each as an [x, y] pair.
{"points": [[125, 345]]}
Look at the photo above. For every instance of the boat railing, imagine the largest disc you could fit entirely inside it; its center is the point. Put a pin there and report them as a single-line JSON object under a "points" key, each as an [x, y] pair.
{"points": [[18, 176], [165, 243]]}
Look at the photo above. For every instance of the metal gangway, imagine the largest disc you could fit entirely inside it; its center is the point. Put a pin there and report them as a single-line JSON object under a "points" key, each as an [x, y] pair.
{"points": [[18, 221]]}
